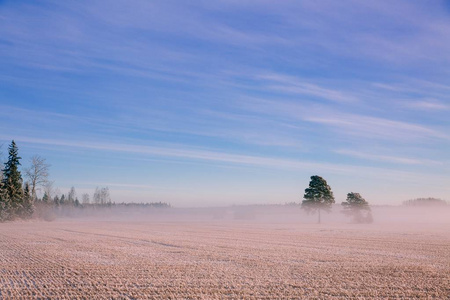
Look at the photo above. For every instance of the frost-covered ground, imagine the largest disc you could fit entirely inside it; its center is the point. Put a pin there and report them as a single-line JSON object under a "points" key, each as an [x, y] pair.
{"points": [[188, 259]]}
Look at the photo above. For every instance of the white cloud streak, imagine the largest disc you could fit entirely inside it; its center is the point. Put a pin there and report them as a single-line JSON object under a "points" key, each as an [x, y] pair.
{"points": [[387, 158], [372, 127], [293, 85], [429, 104], [181, 152], [361, 125]]}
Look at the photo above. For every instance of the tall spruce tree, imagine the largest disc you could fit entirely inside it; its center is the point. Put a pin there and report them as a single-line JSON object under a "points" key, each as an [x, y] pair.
{"points": [[12, 179], [318, 196]]}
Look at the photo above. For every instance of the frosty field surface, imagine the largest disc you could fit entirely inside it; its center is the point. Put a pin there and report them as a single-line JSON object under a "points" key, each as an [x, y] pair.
{"points": [[222, 259]]}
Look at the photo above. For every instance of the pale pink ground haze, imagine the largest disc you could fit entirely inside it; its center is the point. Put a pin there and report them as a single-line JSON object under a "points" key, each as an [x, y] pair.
{"points": [[204, 255]]}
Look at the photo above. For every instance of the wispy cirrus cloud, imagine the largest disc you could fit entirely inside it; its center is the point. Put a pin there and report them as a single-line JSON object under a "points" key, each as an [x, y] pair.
{"points": [[387, 158], [293, 85], [381, 128], [362, 125], [182, 152], [429, 104], [121, 185]]}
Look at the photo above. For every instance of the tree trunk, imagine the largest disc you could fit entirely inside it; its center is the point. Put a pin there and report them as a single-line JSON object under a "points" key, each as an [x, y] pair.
{"points": [[318, 221], [33, 189]]}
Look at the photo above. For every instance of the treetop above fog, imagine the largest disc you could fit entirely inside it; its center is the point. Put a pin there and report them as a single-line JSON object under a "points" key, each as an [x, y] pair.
{"points": [[318, 192], [355, 200]]}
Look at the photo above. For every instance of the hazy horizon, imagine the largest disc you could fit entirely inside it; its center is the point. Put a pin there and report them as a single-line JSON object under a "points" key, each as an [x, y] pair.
{"points": [[230, 102]]}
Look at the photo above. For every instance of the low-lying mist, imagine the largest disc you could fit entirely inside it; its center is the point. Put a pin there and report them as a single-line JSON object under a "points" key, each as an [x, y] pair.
{"points": [[394, 215]]}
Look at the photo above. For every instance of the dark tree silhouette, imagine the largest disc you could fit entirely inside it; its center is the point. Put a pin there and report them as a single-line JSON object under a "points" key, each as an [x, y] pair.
{"points": [[28, 202], [425, 202], [318, 196], [5, 204], [12, 179]]}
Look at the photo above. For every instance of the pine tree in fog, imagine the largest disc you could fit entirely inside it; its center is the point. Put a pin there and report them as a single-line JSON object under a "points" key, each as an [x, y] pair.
{"points": [[62, 200], [318, 196], [28, 202], [358, 208], [56, 200], [45, 198]]}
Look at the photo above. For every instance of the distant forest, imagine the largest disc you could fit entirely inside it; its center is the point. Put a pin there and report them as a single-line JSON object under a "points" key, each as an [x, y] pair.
{"points": [[18, 198], [425, 202]]}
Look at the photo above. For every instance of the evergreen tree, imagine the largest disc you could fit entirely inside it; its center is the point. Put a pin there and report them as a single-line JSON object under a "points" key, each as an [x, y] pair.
{"points": [[12, 179], [45, 198], [357, 207], [56, 200], [62, 200], [318, 196], [5, 204], [28, 203]]}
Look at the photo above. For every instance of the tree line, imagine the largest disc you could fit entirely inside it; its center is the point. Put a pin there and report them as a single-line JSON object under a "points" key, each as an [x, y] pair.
{"points": [[425, 202], [18, 199]]}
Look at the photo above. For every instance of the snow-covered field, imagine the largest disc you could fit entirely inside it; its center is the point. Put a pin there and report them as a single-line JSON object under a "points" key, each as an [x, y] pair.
{"points": [[188, 259]]}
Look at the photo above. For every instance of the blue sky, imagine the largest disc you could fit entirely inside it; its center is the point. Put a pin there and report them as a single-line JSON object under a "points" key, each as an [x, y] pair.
{"points": [[202, 103]]}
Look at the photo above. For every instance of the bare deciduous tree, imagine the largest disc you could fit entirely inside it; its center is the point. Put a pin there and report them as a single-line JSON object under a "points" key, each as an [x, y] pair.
{"points": [[85, 199], [106, 198], [49, 191], [37, 173], [72, 195], [101, 196]]}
